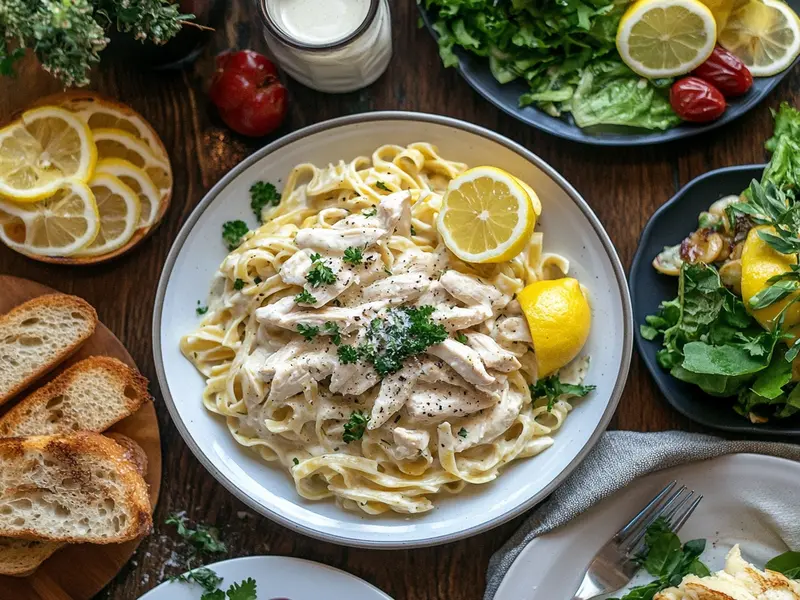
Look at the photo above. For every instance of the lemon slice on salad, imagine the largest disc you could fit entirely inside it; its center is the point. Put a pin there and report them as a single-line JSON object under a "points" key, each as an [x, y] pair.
{"points": [[119, 208], [486, 216], [43, 149], [60, 225], [666, 38], [764, 35]]}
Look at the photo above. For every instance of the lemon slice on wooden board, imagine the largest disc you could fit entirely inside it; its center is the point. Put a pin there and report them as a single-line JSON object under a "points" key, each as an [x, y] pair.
{"points": [[764, 35], [119, 210], [42, 149], [666, 38], [486, 216], [60, 225], [137, 180], [116, 143]]}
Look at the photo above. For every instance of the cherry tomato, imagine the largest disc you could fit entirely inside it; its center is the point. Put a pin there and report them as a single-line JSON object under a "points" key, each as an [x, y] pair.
{"points": [[725, 72], [247, 92], [696, 100]]}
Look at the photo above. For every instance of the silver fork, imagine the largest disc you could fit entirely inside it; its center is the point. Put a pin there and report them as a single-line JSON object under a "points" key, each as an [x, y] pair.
{"points": [[615, 563]]}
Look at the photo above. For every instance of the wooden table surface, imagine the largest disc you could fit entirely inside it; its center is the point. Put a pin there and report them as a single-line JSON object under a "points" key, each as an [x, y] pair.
{"points": [[624, 186]]}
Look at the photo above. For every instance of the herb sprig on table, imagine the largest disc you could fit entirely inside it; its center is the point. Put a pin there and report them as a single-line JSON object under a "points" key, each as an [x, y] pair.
{"points": [[67, 37]]}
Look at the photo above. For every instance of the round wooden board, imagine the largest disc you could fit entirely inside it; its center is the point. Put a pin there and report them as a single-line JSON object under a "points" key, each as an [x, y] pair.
{"points": [[78, 572]]}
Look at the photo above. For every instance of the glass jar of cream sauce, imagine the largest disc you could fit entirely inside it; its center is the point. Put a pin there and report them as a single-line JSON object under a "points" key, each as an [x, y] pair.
{"points": [[329, 45]]}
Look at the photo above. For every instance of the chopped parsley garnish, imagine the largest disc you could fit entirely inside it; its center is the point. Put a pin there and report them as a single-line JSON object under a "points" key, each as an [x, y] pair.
{"points": [[202, 538], [413, 231], [233, 232], [370, 213], [348, 354], [201, 310], [404, 332], [463, 433], [332, 329], [553, 388], [461, 338], [387, 271], [263, 193], [355, 427], [354, 256], [319, 273], [238, 284], [305, 297], [295, 461], [257, 280], [382, 186], [202, 576], [309, 332]]}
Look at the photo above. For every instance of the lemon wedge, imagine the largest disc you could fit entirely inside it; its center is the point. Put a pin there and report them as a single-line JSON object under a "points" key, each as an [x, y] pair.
{"points": [[119, 209], [43, 149], [764, 35], [486, 216], [62, 224], [666, 38], [117, 143], [104, 114], [132, 176], [721, 9], [559, 319]]}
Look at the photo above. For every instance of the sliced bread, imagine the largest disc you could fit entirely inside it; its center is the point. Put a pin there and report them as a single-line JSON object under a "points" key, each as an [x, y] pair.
{"points": [[71, 488], [38, 335], [91, 395], [20, 557]]}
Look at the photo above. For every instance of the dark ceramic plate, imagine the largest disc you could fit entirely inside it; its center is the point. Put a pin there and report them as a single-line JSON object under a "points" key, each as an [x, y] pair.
{"points": [[668, 226], [475, 70]]}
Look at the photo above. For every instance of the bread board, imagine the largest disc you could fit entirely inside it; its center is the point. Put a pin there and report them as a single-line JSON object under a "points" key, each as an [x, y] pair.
{"points": [[79, 572]]}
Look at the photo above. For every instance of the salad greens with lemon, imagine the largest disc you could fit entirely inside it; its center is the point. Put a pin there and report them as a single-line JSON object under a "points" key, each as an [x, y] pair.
{"points": [[741, 339], [565, 51]]}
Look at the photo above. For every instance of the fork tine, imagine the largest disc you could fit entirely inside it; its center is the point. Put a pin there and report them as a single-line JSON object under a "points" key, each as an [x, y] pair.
{"points": [[645, 513], [673, 510], [638, 532], [680, 520]]}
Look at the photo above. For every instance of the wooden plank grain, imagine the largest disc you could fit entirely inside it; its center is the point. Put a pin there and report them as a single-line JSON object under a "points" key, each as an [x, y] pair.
{"points": [[624, 187]]}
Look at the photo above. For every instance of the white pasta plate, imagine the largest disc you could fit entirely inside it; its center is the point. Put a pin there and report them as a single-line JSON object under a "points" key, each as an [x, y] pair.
{"points": [[570, 229], [277, 578], [747, 500]]}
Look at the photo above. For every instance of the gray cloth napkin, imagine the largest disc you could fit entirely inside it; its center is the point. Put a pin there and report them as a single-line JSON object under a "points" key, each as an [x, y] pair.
{"points": [[618, 459]]}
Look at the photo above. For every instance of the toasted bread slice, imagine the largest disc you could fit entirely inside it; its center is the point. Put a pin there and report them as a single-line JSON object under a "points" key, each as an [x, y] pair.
{"points": [[71, 488], [91, 395], [20, 557], [37, 335]]}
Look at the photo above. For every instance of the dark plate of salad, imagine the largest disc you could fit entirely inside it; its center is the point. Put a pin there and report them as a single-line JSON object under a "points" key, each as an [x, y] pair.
{"points": [[722, 355], [554, 66]]}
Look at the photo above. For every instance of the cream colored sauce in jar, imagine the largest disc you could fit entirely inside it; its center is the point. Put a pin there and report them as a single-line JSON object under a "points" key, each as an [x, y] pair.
{"points": [[329, 45]]}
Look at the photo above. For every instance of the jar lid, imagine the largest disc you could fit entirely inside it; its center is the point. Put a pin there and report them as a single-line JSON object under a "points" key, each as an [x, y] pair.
{"points": [[275, 24]]}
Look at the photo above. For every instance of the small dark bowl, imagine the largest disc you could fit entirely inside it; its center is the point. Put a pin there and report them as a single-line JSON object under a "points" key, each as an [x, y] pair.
{"points": [[668, 226], [475, 70]]}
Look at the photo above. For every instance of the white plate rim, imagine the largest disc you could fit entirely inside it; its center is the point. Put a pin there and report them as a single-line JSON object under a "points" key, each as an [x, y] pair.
{"points": [[510, 575], [605, 240], [379, 593]]}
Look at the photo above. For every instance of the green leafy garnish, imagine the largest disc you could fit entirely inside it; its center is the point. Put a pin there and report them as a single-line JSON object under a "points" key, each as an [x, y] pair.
{"points": [[461, 338], [295, 461], [355, 427], [332, 329], [553, 388], [353, 256], [787, 563], [232, 233], [370, 212], [244, 590], [262, 194], [201, 310], [238, 284], [667, 561], [202, 576], [305, 297], [309, 332], [202, 538], [382, 186], [348, 354], [463, 433], [319, 273]]}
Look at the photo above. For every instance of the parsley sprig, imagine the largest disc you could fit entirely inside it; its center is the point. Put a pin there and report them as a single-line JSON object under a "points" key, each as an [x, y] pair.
{"points": [[203, 538], [355, 427], [305, 297], [353, 256], [319, 274], [553, 388], [309, 332], [233, 232], [262, 194]]}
